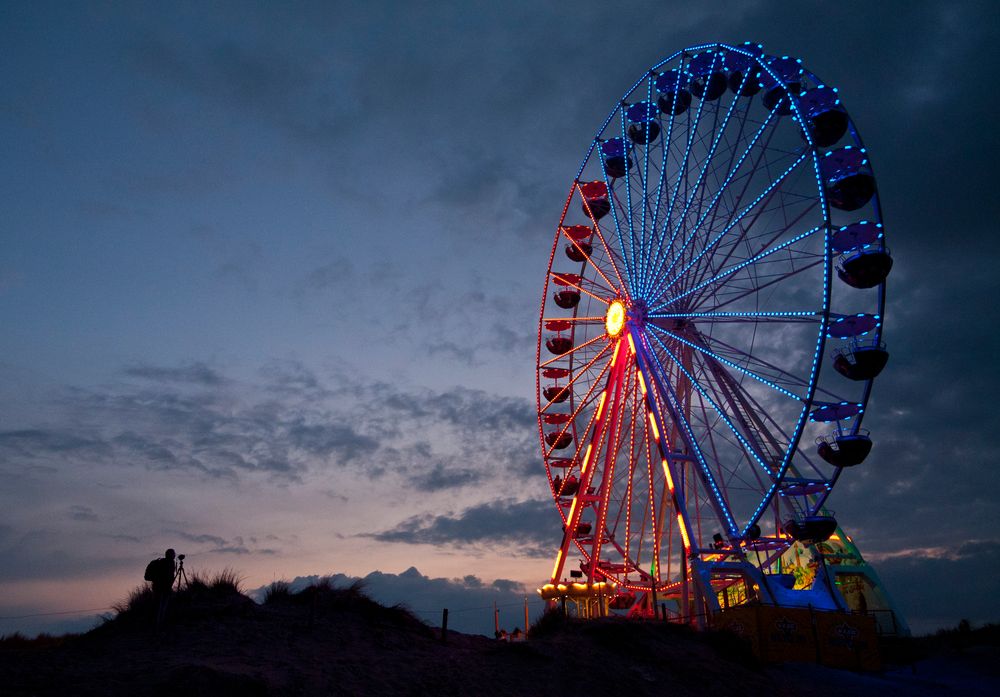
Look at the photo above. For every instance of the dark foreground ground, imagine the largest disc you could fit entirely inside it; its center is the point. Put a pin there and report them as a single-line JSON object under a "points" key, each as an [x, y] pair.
{"points": [[325, 641]]}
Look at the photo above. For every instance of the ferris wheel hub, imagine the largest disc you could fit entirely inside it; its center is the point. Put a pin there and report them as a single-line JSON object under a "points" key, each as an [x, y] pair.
{"points": [[614, 321]]}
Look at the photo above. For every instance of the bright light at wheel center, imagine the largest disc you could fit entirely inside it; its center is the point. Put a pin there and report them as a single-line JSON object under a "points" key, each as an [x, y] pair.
{"points": [[615, 320]]}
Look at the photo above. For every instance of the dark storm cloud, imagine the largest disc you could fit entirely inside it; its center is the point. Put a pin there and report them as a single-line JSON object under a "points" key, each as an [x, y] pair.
{"points": [[254, 77], [525, 526]]}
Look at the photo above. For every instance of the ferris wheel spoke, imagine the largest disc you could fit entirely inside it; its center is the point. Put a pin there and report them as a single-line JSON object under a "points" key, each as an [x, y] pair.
{"points": [[659, 250], [676, 337], [719, 130], [755, 290], [747, 447], [722, 275], [629, 267], [682, 170], [764, 196], [580, 373], [573, 281], [654, 223], [756, 317], [674, 407], [748, 359], [576, 320], [747, 412], [765, 249], [567, 354], [646, 208]]}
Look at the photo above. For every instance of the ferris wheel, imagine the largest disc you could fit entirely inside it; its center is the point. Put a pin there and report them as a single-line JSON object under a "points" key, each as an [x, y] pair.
{"points": [[710, 329]]}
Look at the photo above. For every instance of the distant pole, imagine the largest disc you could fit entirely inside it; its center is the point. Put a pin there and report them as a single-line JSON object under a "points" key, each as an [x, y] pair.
{"points": [[444, 626], [525, 617], [496, 619]]}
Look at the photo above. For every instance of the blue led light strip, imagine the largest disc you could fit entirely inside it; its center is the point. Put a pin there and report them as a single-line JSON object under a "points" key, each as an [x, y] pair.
{"points": [[796, 313], [645, 180], [820, 342], [723, 274], [682, 169], [711, 206], [760, 132], [667, 139], [633, 270], [722, 414], [612, 200], [764, 194], [735, 366], [671, 400], [704, 169]]}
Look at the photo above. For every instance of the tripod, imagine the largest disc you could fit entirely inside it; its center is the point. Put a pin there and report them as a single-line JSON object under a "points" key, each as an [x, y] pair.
{"points": [[180, 576]]}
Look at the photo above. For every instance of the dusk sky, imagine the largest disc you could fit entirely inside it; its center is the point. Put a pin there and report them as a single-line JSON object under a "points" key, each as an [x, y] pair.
{"points": [[270, 278]]}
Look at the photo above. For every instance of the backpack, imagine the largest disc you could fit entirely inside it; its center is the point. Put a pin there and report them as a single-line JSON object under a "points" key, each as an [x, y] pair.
{"points": [[150, 574]]}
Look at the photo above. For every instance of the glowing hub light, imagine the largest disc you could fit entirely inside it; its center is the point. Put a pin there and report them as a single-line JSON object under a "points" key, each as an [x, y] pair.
{"points": [[615, 320]]}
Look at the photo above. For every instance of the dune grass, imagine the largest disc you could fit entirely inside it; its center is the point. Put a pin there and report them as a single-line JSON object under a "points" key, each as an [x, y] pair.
{"points": [[42, 641]]}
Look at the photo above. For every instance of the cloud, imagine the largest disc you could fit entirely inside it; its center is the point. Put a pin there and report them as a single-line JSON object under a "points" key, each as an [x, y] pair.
{"points": [[202, 422], [214, 544], [83, 514], [196, 373], [327, 439], [470, 600], [441, 478], [526, 528], [36, 554], [35, 443], [920, 581]]}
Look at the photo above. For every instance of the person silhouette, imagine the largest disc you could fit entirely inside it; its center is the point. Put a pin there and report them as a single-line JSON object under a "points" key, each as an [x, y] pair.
{"points": [[160, 573]]}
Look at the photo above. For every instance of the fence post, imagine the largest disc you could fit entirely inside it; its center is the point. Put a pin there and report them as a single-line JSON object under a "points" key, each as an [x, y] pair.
{"points": [[525, 617]]}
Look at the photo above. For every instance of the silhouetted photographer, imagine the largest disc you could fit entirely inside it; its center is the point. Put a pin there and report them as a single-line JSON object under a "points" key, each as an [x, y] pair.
{"points": [[161, 573]]}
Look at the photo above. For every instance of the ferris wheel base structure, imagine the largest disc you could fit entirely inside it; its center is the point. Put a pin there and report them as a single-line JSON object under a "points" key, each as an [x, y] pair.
{"points": [[710, 332]]}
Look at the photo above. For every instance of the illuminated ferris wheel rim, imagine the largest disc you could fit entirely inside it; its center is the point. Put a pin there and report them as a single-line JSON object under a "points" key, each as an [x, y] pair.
{"points": [[645, 299]]}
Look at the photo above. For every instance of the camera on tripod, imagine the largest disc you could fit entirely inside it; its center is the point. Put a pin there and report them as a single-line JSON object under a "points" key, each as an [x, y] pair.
{"points": [[180, 575]]}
